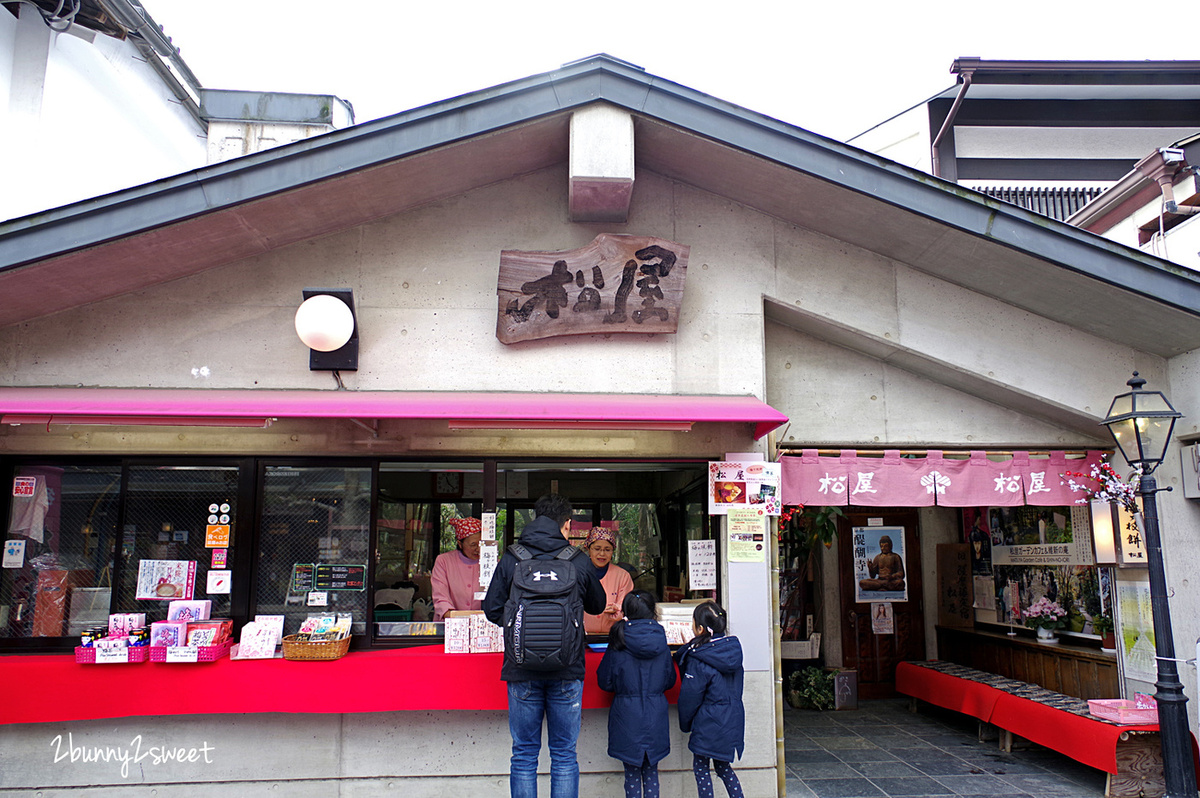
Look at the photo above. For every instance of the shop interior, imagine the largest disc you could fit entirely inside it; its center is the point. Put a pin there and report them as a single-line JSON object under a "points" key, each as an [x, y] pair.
{"points": [[100, 537]]}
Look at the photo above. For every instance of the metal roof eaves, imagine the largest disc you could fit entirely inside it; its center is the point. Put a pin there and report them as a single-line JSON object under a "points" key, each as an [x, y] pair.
{"points": [[949, 203], [594, 79], [262, 174]]}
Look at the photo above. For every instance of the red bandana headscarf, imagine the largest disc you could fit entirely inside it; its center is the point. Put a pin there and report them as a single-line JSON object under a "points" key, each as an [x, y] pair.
{"points": [[465, 527]]}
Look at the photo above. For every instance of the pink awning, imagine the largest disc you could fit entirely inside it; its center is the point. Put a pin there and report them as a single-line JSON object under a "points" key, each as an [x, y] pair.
{"points": [[465, 410]]}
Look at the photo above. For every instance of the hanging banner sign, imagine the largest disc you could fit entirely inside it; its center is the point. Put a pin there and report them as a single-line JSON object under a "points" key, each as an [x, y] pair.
{"points": [[896, 481]]}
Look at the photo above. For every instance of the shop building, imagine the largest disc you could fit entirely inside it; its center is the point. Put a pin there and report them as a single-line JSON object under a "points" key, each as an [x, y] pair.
{"points": [[818, 297]]}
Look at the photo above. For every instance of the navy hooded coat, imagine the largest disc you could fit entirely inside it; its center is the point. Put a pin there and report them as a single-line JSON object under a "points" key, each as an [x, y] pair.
{"points": [[638, 725], [710, 698]]}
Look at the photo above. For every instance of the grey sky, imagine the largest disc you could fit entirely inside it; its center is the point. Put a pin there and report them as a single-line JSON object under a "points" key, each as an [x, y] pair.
{"points": [[834, 68]]}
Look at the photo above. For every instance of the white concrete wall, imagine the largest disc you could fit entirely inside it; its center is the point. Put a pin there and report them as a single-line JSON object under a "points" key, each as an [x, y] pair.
{"points": [[234, 139], [1181, 244], [425, 290], [83, 116], [348, 755]]}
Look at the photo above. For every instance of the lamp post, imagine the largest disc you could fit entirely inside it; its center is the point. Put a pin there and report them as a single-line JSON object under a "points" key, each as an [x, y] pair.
{"points": [[1141, 423]]}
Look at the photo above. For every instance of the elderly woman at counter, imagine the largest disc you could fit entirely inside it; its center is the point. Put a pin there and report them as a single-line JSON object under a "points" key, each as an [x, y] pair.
{"points": [[600, 546], [455, 576]]}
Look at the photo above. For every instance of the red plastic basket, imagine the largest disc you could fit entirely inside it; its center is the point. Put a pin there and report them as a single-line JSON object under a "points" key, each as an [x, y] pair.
{"points": [[86, 655], [203, 653]]}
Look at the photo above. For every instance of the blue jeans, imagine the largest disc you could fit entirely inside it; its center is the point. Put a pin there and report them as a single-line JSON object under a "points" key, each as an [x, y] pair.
{"points": [[561, 704]]}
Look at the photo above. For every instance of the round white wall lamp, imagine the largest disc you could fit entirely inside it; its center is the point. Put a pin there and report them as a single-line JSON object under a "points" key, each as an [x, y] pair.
{"points": [[326, 325]]}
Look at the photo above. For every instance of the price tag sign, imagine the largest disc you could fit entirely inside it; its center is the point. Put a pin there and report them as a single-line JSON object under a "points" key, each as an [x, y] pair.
{"points": [[105, 656], [318, 598], [183, 653]]}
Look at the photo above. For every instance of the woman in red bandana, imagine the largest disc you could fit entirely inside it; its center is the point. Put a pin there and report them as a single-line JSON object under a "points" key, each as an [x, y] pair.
{"points": [[601, 545], [455, 574]]}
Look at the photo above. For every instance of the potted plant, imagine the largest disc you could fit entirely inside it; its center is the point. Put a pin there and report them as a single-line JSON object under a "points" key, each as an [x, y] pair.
{"points": [[1046, 617], [811, 688], [1103, 624]]}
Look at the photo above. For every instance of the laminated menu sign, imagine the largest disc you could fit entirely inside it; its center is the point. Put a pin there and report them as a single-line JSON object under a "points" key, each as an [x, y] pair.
{"points": [[702, 564], [302, 578], [166, 579], [339, 577], [742, 485]]}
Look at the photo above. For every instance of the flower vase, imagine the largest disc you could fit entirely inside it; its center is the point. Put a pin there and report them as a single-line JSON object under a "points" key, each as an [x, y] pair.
{"points": [[1045, 635]]}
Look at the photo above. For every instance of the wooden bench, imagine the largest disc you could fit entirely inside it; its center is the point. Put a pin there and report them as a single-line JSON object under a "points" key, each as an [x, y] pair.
{"points": [[1130, 755]]}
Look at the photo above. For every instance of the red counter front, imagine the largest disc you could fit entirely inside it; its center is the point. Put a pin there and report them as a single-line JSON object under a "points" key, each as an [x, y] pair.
{"points": [[54, 687]]}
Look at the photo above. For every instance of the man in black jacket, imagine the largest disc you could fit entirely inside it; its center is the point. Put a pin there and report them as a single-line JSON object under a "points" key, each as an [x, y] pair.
{"points": [[556, 696]]}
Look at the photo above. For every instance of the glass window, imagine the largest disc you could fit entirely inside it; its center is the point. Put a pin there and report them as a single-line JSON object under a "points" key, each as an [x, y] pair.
{"points": [[167, 512], [313, 516], [638, 540], [61, 535]]}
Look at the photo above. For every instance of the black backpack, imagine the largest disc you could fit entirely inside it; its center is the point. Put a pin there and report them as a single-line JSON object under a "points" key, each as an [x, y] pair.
{"points": [[543, 617]]}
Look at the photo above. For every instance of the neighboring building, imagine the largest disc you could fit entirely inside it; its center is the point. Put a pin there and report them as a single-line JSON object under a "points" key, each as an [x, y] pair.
{"points": [[1154, 206], [833, 300], [1046, 135], [100, 100]]}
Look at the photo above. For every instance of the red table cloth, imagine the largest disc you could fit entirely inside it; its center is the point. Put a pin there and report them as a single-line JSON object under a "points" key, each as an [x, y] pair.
{"points": [[54, 687], [1092, 742]]}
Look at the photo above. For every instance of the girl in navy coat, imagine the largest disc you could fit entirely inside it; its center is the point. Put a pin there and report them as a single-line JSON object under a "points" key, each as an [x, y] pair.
{"points": [[637, 667], [710, 699]]}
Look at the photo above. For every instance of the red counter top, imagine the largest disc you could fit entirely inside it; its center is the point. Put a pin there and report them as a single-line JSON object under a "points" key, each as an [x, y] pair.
{"points": [[53, 687]]}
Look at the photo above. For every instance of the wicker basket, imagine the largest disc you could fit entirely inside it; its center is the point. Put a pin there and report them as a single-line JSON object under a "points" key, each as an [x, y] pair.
{"points": [[86, 655], [294, 649]]}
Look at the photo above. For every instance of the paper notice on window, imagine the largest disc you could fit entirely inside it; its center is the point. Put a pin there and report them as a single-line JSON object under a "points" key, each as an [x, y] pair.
{"points": [[985, 593], [219, 582], [702, 564], [14, 553], [747, 536], [489, 555]]}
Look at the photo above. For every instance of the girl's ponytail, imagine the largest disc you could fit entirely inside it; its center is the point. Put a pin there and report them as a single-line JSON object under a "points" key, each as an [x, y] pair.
{"points": [[711, 618]]}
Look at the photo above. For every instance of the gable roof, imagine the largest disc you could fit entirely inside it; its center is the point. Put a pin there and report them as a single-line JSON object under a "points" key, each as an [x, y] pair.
{"points": [[213, 216]]}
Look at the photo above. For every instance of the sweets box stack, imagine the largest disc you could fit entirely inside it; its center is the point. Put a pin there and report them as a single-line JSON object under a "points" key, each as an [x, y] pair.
{"points": [[122, 640], [259, 638], [470, 632]]}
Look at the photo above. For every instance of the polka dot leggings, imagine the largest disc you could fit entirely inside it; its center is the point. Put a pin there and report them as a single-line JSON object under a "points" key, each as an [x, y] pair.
{"points": [[724, 773], [641, 782]]}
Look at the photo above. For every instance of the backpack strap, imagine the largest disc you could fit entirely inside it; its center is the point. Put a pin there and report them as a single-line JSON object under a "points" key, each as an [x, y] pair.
{"points": [[519, 551], [566, 553]]}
